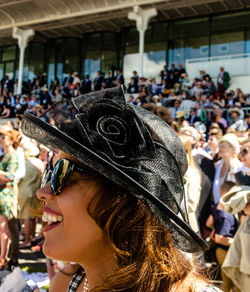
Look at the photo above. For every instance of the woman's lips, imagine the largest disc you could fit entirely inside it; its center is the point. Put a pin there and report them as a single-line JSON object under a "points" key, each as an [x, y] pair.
{"points": [[51, 226], [48, 210]]}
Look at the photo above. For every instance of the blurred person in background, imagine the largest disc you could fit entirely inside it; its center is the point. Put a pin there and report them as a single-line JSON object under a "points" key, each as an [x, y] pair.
{"points": [[213, 143], [245, 155], [237, 261], [219, 116], [27, 188], [224, 227], [193, 116], [192, 183], [8, 167], [237, 123], [229, 164], [223, 81]]}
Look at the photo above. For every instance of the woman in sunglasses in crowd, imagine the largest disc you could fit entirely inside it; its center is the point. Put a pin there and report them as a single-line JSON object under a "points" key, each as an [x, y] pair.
{"points": [[113, 199], [245, 154], [8, 166]]}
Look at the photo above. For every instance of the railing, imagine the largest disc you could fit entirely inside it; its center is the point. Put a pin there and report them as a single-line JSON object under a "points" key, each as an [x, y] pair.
{"points": [[244, 109], [236, 65]]}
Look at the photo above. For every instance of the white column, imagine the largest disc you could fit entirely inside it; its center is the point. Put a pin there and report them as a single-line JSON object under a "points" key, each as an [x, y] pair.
{"points": [[23, 38], [142, 17]]}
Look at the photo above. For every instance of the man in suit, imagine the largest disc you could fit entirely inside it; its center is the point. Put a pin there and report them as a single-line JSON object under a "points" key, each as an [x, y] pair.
{"points": [[192, 116], [173, 74], [86, 84], [108, 80], [135, 77], [98, 81], [119, 77], [181, 69], [164, 73], [132, 86], [68, 80], [223, 81]]}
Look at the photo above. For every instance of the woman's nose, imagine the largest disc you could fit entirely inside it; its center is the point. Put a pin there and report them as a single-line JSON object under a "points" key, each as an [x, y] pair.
{"points": [[45, 193]]}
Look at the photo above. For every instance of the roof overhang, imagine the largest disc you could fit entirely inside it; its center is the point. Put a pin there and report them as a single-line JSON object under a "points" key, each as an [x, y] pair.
{"points": [[73, 18]]}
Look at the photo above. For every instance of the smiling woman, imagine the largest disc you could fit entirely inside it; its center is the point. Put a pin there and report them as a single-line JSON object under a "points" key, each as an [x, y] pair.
{"points": [[114, 198]]}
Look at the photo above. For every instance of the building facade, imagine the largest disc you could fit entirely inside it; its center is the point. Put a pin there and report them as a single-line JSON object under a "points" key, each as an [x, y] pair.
{"points": [[205, 39]]}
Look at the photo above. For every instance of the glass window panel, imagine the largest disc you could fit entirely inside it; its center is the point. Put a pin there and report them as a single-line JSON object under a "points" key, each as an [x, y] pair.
{"points": [[234, 21], [154, 58], [247, 43], [132, 37], [51, 72], [131, 49], [67, 57], [184, 49], [36, 60], [1, 71], [59, 71], [108, 60], [93, 42], [160, 32], [51, 62], [26, 71], [9, 69], [189, 28], [92, 63], [109, 41], [9, 53], [148, 34], [227, 44]]}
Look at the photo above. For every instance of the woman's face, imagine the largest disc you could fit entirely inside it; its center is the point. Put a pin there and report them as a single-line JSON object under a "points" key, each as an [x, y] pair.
{"points": [[5, 141], [77, 238], [212, 143], [226, 151]]}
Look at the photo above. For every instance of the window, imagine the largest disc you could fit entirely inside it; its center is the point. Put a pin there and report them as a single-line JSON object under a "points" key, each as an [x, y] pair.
{"points": [[67, 57], [227, 44], [9, 53], [1, 71], [189, 28], [191, 48], [234, 21], [92, 62], [153, 60], [36, 60]]}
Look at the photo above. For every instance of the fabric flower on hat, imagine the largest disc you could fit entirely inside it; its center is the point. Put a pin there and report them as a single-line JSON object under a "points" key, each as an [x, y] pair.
{"points": [[112, 128]]}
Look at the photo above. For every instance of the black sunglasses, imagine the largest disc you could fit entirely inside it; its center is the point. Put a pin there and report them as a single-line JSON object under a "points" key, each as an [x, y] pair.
{"points": [[59, 174], [244, 152]]}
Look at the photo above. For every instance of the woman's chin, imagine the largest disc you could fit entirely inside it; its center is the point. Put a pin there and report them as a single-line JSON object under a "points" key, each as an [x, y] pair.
{"points": [[50, 250]]}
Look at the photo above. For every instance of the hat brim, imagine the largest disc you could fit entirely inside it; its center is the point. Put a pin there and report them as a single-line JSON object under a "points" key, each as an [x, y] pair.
{"points": [[54, 138], [233, 110]]}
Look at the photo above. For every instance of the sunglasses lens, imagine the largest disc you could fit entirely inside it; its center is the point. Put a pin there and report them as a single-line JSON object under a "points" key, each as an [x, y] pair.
{"points": [[244, 152], [60, 175], [45, 177]]}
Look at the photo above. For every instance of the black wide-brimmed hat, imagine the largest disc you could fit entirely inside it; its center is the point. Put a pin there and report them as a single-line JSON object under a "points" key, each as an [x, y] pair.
{"points": [[131, 147]]}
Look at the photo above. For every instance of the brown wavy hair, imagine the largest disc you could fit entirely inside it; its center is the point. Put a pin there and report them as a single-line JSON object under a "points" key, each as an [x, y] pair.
{"points": [[147, 258]]}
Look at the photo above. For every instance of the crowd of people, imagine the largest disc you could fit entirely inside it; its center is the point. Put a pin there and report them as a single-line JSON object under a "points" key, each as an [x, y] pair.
{"points": [[209, 121], [195, 100]]}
